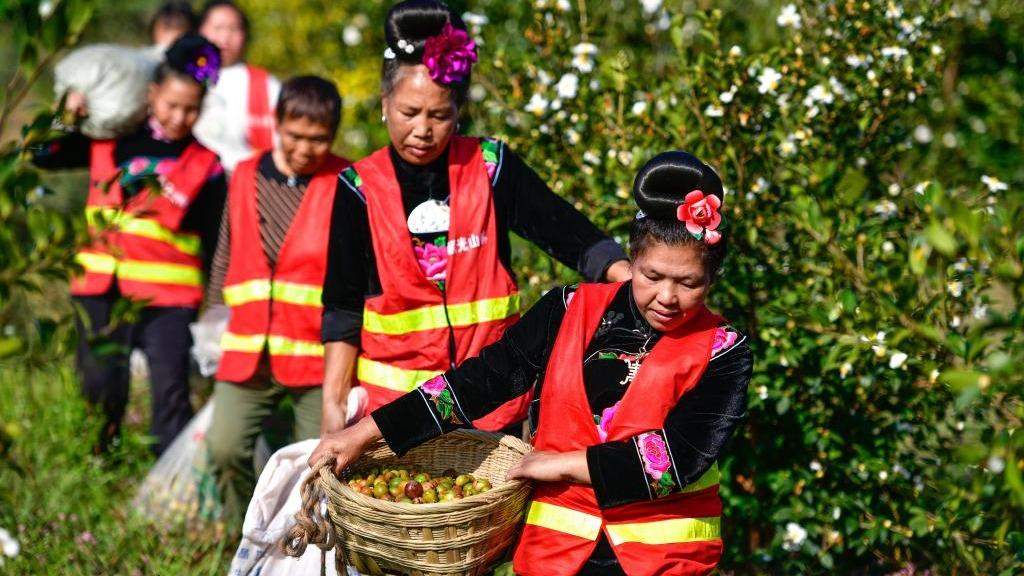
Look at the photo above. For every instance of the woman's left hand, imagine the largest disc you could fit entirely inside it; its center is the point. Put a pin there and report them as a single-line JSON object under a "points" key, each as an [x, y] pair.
{"points": [[552, 467]]}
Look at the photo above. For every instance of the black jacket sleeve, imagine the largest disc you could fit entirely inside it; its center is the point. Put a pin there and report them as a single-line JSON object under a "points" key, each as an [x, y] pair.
{"points": [[350, 267], [67, 152], [533, 211], [503, 371], [695, 431]]}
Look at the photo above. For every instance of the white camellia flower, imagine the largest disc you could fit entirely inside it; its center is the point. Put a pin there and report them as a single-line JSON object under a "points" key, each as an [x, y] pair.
{"points": [[726, 97], [894, 52], [351, 35], [563, 5], [994, 184], [815, 466], [8, 545], [995, 464], [856, 61], [920, 187], [768, 81], [794, 537], [888, 247], [955, 288], [714, 111], [789, 17], [568, 86], [476, 23], [923, 134], [897, 360], [591, 158], [650, 6], [46, 8], [735, 51], [845, 369], [787, 148], [762, 392], [885, 208], [583, 57], [639, 107], [537, 105]]}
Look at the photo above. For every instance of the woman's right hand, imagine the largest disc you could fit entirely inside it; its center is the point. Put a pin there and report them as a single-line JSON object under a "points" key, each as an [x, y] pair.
{"points": [[344, 446]]}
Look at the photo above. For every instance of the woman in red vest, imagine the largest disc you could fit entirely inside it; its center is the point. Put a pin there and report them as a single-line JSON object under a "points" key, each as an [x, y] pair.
{"points": [[155, 202], [269, 270], [641, 387], [238, 116], [419, 275]]}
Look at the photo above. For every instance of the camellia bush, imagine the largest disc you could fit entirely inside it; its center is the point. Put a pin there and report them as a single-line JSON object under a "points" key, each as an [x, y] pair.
{"points": [[871, 153]]}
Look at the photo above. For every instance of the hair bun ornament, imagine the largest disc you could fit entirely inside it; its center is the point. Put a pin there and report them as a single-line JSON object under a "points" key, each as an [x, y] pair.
{"points": [[450, 55], [701, 216], [204, 65]]}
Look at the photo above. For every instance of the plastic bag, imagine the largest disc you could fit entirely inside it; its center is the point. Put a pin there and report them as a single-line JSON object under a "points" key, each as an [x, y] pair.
{"points": [[206, 335]]}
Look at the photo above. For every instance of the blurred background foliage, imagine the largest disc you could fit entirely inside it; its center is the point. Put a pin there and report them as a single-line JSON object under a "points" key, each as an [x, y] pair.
{"points": [[872, 154]]}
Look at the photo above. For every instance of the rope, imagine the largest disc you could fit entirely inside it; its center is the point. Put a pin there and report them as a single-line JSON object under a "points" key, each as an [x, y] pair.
{"points": [[311, 526]]}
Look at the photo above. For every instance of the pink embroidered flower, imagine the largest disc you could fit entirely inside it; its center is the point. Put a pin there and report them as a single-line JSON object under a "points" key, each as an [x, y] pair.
{"points": [[433, 260], [655, 455], [450, 55], [491, 169], [164, 166], [138, 166], [724, 339], [700, 213], [435, 385], [606, 420]]}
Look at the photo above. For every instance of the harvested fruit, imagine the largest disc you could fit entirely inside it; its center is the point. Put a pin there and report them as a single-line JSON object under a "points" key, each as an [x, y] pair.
{"points": [[411, 485]]}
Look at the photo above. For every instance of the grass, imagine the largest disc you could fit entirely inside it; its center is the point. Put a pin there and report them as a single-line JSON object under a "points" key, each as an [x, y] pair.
{"points": [[72, 512]]}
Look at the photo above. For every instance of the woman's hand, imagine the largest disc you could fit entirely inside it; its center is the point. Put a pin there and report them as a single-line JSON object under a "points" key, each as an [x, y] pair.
{"points": [[619, 272], [552, 467], [344, 446]]}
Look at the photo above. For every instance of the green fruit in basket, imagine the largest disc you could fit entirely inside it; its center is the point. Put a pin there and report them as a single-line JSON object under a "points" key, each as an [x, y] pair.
{"points": [[448, 497], [413, 489], [396, 492], [380, 489], [482, 485], [462, 479], [429, 496], [421, 477], [405, 500], [468, 491], [395, 481], [403, 474]]}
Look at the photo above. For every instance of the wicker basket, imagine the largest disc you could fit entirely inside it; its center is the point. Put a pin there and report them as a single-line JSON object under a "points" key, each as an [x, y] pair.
{"points": [[461, 537]]}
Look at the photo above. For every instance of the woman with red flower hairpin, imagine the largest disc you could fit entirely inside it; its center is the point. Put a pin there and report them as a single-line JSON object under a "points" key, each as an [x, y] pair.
{"points": [[155, 201], [419, 263], [639, 388]]}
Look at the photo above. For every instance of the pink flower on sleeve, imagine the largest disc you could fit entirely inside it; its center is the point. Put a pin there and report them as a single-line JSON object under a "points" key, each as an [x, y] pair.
{"points": [[724, 339], [654, 454]]}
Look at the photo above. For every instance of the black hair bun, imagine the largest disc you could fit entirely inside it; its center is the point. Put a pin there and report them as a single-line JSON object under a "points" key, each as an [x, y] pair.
{"points": [[411, 22], [194, 56], [665, 180]]}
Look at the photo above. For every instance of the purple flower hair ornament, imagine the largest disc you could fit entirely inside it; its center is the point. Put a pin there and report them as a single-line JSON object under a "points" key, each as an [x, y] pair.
{"points": [[205, 65], [450, 55]]}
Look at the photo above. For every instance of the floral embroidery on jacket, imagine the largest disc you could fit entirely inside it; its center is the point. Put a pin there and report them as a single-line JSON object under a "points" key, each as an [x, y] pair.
{"points": [[604, 421], [724, 340], [657, 463], [437, 391]]}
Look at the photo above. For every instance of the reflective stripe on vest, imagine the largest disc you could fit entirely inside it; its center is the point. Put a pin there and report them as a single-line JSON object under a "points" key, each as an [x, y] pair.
{"points": [[392, 377], [673, 531], [127, 224], [160, 273], [276, 345], [433, 317], [259, 289], [96, 263], [587, 526], [564, 519]]}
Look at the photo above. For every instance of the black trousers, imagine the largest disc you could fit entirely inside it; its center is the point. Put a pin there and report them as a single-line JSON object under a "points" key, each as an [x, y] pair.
{"points": [[162, 333]]}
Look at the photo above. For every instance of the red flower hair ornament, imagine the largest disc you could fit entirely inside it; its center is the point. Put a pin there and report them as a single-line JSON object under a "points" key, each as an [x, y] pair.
{"points": [[700, 214], [450, 55]]}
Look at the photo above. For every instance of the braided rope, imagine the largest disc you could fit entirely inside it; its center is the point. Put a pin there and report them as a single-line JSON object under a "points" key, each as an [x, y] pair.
{"points": [[311, 525]]}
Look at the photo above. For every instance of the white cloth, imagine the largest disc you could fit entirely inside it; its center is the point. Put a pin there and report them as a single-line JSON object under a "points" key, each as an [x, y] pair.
{"points": [[114, 80], [206, 336], [223, 125], [272, 511]]}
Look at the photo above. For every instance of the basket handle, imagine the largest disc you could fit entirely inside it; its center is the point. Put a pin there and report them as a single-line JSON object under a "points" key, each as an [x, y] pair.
{"points": [[312, 526]]}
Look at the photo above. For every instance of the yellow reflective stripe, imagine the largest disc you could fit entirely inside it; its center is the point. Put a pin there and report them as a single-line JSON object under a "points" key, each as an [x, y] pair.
{"points": [[433, 317], [294, 293], [391, 377], [246, 292], [281, 346], [563, 519], [674, 531], [128, 224], [231, 342], [96, 263], [709, 479], [160, 272]]}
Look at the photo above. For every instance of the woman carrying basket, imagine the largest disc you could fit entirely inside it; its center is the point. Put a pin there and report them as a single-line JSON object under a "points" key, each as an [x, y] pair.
{"points": [[419, 261], [640, 387]]}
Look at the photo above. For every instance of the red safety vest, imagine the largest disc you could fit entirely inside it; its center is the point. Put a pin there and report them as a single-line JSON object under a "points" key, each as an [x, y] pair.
{"points": [[675, 535], [140, 242], [277, 309], [261, 118], [406, 329]]}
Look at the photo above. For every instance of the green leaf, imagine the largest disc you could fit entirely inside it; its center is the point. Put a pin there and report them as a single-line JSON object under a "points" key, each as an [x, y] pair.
{"points": [[941, 239]]}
